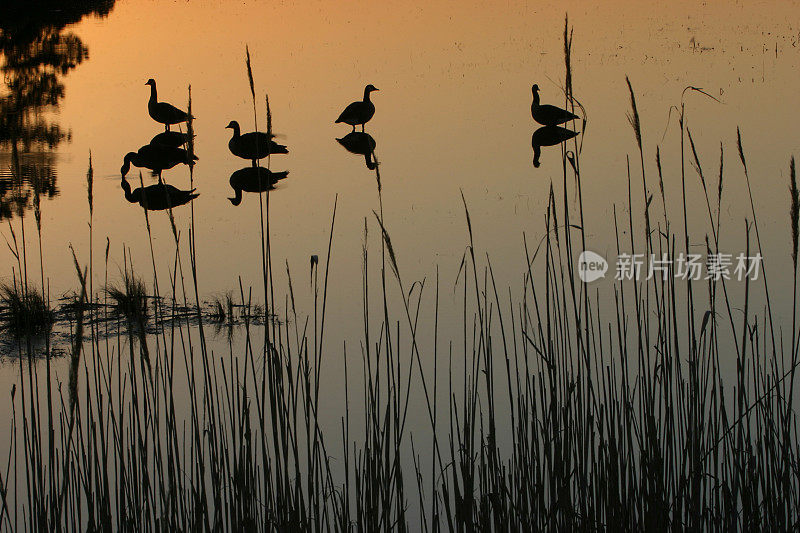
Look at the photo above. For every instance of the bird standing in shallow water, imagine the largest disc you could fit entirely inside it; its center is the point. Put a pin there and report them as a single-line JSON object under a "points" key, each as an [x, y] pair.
{"points": [[157, 197], [156, 157], [548, 115], [163, 112], [359, 112], [253, 145]]}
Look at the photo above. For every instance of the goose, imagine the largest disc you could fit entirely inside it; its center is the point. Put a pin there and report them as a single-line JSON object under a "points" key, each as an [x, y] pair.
{"points": [[253, 145], [359, 112], [548, 115], [163, 112], [253, 179], [176, 139], [157, 197], [548, 136], [156, 157], [360, 143]]}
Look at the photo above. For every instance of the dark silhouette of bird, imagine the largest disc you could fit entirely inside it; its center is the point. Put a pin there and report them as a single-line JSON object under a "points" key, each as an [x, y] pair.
{"points": [[548, 136], [359, 112], [163, 112], [253, 145], [156, 157], [360, 143], [157, 197], [253, 179], [176, 139], [548, 115]]}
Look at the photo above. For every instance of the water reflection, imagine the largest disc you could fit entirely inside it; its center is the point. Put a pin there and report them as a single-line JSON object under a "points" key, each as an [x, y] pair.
{"points": [[175, 139], [361, 143], [254, 145], [253, 179], [548, 136], [163, 112], [157, 197], [359, 112], [36, 54]]}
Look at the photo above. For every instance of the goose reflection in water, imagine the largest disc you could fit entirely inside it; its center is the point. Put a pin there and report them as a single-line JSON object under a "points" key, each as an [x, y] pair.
{"points": [[360, 143], [548, 136], [253, 179], [254, 145], [175, 139], [157, 197], [156, 157]]}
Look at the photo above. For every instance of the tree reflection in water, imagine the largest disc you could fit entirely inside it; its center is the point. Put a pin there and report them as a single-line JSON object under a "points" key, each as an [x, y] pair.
{"points": [[36, 51]]}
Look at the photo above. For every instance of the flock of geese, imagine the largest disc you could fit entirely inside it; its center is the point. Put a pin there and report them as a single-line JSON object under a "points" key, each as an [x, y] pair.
{"points": [[168, 149]]}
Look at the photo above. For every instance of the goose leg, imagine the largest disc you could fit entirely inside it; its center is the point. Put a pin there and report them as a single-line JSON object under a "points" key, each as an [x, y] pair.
{"points": [[354, 128], [362, 128]]}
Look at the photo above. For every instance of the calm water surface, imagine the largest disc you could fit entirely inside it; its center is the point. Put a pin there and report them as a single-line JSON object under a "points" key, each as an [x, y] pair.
{"points": [[453, 117]]}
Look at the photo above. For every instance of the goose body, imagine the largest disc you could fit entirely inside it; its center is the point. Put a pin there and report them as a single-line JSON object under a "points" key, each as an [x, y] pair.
{"points": [[163, 112], [360, 143], [548, 115], [253, 145], [253, 179], [548, 136], [157, 197], [359, 112], [156, 157]]}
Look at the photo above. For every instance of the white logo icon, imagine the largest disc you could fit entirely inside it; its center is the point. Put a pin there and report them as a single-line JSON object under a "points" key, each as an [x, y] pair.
{"points": [[591, 266]]}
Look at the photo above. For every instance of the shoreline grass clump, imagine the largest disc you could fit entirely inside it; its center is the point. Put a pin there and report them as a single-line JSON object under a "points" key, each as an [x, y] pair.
{"points": [[24, 311], [130, 298]]}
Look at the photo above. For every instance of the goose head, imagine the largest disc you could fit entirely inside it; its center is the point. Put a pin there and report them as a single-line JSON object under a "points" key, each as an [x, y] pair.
{"points": [[368, 89], [234, 125], [151, 82], [535, 88]]}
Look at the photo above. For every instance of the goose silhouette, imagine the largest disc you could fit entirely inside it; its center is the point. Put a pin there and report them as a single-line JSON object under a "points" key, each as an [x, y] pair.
{"points": [[360, 143], [253, 145], [175, 139], [163, 112], [156, 157], [548, 115], [359, 112], [157, 197], [253, 179], [548, 136]]}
